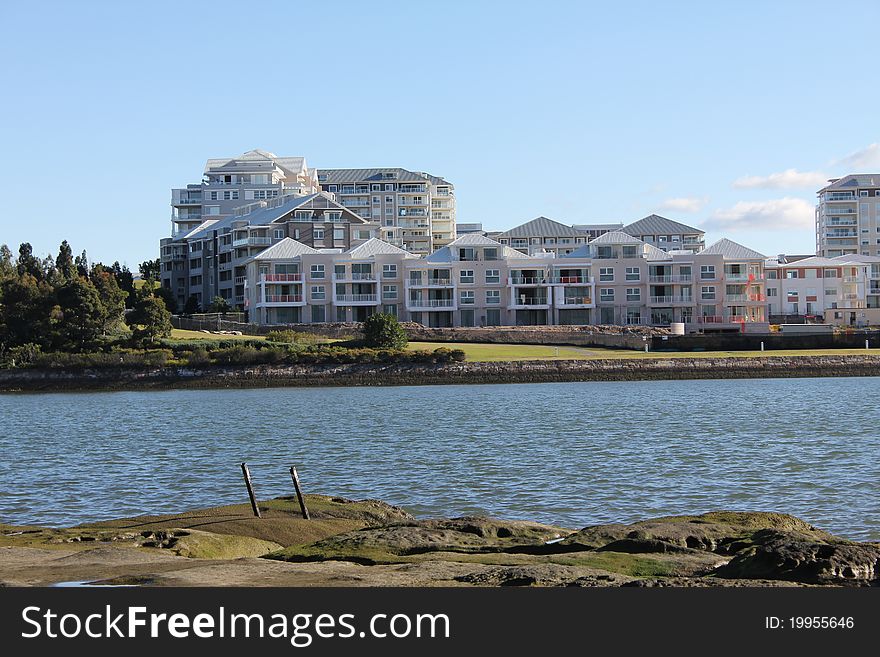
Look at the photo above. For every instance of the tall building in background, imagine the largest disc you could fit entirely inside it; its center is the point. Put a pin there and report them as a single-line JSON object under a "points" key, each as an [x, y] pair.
{"points": [[416, 211], [848, 216]]}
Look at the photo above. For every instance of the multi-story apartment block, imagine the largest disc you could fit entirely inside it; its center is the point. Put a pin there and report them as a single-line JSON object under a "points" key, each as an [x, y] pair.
{"points": [[615, 279], [209, 261], [592, 231], [848, 216], [543, 235], [415, 210], [291, 282], [841, 291], [667, 235]]}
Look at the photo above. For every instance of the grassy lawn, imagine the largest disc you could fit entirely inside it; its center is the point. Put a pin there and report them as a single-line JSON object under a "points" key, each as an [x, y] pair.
{"points": [[484, 352], [182, 334]]}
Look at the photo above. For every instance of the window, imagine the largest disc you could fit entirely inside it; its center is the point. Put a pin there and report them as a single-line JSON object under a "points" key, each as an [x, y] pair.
{"points": [[212, 209], [606, 294], [707, 293], [302, 215], [389, 211], [389, 187], [630, 252], [493, 296], [279, 233], [332, 188], [792, 293], [633, 294], [493, 276], [390, 309], [318, 314], [467, 297], [606, 274], [466, 276], [707, 272], [389, 199], [389, 291], [226, 275], [338, 233], [490, 253], [317, 271], [632, 273], [772, 292], [377, 200], [791, 273], [333, 217], [318, 234], [339, 271], [830, 292], [389, 271], [318, 293], [375, 187], [771, 275]]}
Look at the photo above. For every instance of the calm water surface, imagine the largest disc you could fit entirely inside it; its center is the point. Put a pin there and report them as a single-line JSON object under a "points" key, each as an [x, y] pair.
{"points": [[572, 453]]}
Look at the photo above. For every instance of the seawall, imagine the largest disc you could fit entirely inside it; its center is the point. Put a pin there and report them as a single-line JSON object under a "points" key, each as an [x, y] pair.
{"points": [[621, 369]]}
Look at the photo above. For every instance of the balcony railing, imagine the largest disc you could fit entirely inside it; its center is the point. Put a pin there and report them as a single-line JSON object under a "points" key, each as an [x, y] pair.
{"points": [[355, 298], [281, 278], [756, 297], [576, 301], [239, 280], [661, 300], [671, 278], [851, 279], [570, 280], [525, 280], [733, 298], [529, 301], [430, 282], [874, 290], [431, 303], [355, 276], [252, 241], [735, 277], [284, 298]]}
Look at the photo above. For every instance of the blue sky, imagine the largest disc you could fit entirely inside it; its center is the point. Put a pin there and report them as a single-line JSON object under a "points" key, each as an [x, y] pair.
{"points": [[726, 115]]}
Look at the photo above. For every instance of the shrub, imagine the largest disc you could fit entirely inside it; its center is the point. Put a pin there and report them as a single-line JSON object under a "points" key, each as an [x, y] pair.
{"points": [[249, 355], [153, 358], [291, 337], [383, 331], [22, 355], [198, 357]]}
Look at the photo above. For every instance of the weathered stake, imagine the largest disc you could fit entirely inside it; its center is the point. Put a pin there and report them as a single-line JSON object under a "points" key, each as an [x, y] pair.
{"points": [[250, 487], [299, 495]]}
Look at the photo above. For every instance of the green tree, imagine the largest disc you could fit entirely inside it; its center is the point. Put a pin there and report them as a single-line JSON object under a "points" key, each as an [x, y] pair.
{"points": [[150, 319], [168, 297], [25, 310], [82, 317], [82, 264], [28, 263], [64, 262], [383, 331], [7, 263], [111, 295], [192, 305], [219, 305], [125, 279], [150, 269]]}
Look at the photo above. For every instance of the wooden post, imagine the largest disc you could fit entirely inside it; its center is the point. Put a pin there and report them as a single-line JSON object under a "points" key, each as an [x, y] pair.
{"points": [[250, 487], [299, 495]]}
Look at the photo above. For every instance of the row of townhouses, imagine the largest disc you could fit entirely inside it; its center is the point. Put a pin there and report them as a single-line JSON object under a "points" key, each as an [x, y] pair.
{"points": [[477, 281], [289, 244]]}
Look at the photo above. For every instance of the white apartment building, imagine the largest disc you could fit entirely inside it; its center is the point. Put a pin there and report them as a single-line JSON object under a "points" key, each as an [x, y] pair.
{"points": [[476, 281], [416, 211], [848, 216]]}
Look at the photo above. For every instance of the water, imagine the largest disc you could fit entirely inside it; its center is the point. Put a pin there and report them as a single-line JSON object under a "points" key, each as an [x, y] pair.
{"points": [[572, 453]]}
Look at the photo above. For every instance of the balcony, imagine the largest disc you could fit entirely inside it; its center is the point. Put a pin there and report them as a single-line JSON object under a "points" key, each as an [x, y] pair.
{"points": [[281, 278], [874, 290], [282, 299], [528, 303], [240, 280], [526, 280], [430, 282], [570, 280], [355, 299], [574, 302], [252, 241], [412, 213], [735, 298], [851, 279], [840, 198], [356, 276], [356, 203], [736, 277], [671, 278], [756, 297], [431, 304], [836, 235]]}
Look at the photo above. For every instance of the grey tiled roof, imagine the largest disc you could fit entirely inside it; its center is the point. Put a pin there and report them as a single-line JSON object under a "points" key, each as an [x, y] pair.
{"points": [[375, 175], [853, 181], [375, 246], [855, 257], [284, 250], [732, 251], [654, 224], [257, 217], [542, 227]]}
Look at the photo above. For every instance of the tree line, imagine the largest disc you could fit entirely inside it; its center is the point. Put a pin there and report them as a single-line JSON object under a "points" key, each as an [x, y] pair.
{"points": [[68, 304]]}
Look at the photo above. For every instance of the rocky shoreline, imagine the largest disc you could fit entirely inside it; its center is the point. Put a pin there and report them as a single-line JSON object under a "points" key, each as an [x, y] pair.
{"points": [[371, 543], [354, 374]]}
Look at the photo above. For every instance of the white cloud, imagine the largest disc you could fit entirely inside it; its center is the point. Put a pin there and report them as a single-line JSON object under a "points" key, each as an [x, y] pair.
{"points": [[775, 214], [862, 160], [788, 179], [684, 204]]}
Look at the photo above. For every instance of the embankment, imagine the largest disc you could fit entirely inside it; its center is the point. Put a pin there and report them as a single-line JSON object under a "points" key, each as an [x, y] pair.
{"points": [[605, 369]]}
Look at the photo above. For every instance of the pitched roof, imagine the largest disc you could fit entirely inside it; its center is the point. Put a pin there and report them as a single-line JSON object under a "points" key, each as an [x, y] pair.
{"points": [[284, 250], [654, 224], [616, 237], [855, 257], [292, 164], [375, 246], [812, 261], [853, 180], [542, 227], [732, 251], [474, 239], [257, 217], [445, 253], [337, 176], [653, 253]]}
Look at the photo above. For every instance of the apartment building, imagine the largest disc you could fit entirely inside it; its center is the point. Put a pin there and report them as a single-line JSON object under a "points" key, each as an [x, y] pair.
{"points": [[666, 234], [209, 260], [542, 235], [291, 282], [848, 216], [843, 291], [416, 211], [592, 231], [615, 279]]}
